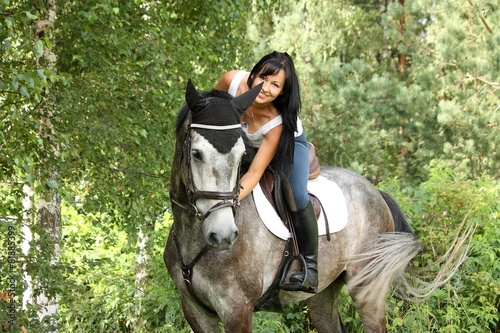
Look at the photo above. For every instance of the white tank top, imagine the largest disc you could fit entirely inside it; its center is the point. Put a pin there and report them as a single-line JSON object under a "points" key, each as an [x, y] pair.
{"points": [[257, 137], [233, 87]]}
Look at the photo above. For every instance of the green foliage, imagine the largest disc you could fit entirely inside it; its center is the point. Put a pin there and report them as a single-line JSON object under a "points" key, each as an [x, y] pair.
{"points": [[470, 301], [367, 110], [37, 264], [22, 78], [118, 104], [294, 318], [102, 292]]}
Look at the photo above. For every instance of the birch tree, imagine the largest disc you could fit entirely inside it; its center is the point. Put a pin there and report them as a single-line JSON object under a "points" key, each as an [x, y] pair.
{"points": [[48, 215], [29, 155]]}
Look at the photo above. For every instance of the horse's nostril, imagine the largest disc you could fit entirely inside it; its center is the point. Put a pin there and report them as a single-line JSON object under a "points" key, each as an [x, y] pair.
{"points": [[214, 239]]}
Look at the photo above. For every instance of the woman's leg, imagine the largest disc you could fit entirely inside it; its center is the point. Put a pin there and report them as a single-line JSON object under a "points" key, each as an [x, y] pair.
{"points": [[304, 219], [300, 172]]}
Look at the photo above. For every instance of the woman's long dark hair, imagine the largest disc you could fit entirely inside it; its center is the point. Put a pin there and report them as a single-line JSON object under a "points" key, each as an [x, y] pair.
{"points": [[288, 104]]}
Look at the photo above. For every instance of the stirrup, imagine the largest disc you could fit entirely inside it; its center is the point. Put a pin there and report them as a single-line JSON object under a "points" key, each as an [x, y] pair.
{"points": [[295, 286]]}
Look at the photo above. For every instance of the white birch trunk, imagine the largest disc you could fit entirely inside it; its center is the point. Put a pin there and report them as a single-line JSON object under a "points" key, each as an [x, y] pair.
{"points": [[142, 259], [141, 270], [48, 204], [49, 217], [26, 239]]}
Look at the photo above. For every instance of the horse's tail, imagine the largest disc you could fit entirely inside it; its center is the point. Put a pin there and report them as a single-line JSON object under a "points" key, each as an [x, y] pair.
{"points": [[400, 222], [387, 262]]}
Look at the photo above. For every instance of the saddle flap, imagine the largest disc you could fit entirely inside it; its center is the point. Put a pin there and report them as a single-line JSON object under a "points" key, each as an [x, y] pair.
{"points": [[270, 184], [314, 169], [316, 204], [267, 185], [277, 194]]}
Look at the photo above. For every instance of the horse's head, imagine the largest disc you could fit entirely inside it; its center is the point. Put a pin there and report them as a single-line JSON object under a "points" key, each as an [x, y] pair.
{"points": [[212, 150]]}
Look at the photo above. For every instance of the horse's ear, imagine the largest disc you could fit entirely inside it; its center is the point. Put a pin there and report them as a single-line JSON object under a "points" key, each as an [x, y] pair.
{"points": [[243, 101], [194, 99]]}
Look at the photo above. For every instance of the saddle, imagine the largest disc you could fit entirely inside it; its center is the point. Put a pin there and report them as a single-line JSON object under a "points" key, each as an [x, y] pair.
{"points": [[280, 195], [314, 169], [278, 192]]}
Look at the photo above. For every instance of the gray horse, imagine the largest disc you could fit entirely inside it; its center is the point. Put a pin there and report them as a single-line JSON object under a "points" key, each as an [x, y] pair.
{"points": [[222, 257]]}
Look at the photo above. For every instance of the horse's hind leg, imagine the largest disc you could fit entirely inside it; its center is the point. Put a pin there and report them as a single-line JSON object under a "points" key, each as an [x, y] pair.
{"points": [[372, 314], [323, 309]]}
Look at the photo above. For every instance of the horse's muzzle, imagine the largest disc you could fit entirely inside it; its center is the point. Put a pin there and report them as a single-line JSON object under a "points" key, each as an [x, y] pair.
{"points": [[222, 240]]}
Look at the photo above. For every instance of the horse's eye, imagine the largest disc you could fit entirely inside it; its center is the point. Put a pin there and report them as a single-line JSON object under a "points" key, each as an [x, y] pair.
{"points": [[196, 154]]}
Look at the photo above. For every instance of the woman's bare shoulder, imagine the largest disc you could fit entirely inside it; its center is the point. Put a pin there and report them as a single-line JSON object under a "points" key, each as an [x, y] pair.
{"points": [[225, 80]]}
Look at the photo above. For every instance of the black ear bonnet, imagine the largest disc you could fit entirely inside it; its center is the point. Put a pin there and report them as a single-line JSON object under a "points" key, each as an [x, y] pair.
{"points": [[216, 116]]}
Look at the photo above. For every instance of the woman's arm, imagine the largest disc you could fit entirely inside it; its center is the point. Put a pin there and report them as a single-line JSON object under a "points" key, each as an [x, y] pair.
{"points": [[264, 156]]}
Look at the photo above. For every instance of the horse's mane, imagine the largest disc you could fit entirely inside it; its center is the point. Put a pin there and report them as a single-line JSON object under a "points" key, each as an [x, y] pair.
{"points": [[185, 109]]}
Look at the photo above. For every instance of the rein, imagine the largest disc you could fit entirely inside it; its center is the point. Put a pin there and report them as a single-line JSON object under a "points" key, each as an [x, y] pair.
{"points": [[227, 199]]}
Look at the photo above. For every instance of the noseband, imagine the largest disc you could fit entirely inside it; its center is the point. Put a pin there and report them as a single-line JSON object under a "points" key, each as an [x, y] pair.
{"points": [[226, 199]]}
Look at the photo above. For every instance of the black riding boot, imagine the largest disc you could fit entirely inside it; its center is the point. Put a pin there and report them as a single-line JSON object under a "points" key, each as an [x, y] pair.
{"points": [[306, 229]]}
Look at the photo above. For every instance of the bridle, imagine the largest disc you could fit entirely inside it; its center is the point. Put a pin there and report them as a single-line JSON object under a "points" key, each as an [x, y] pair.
{"points": [[226, 199]]}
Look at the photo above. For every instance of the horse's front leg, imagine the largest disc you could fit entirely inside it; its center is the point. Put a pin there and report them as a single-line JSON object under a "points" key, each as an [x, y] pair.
{"points": [[237, 318], [199, 320]]}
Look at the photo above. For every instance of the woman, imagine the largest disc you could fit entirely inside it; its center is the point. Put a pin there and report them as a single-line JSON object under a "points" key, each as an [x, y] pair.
{"points": [[272, 125]]}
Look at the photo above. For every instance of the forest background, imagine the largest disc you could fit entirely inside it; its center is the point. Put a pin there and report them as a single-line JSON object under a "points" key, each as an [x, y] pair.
{"points": [[405, 92]]}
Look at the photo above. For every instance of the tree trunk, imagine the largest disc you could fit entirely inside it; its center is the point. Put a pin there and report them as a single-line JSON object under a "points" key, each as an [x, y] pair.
{"points": [[49, 200], [27, 236], [402, 55], [142, 259], [141, 275], [49, 218]]}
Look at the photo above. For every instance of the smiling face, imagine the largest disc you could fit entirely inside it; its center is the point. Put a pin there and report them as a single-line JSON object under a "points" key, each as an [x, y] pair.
{"points": [[272, 86]]}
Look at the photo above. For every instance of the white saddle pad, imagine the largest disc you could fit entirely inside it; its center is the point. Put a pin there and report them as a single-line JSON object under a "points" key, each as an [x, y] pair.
{"points": [[328, 193]]}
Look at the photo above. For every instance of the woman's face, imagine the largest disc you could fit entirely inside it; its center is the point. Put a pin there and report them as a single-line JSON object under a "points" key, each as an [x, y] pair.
{"points": [[272, 87]]}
